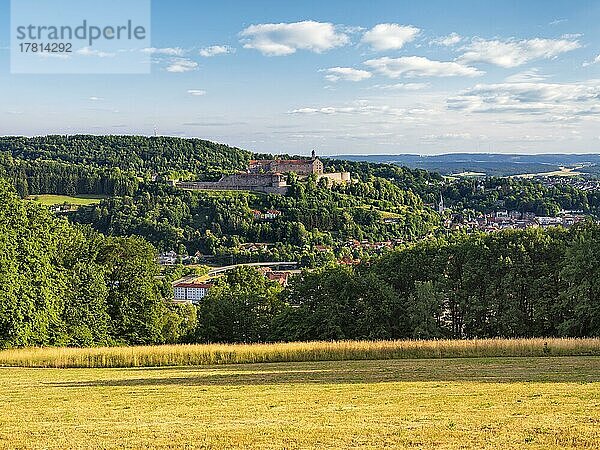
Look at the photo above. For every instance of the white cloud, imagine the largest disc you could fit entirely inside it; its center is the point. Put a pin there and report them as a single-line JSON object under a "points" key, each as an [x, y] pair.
{"points": [[346, 73], [46, 55], [196, 92], [215, 50], [557, 21], [418, 66], [95, 99], [447, 136], [362, 109], [513, 53], [449, 40], [168, 51], [401, 86], [278, 39], [88, 51], [526, 76], [560, 100], [390, 36], [596, 60], [181, 65]]}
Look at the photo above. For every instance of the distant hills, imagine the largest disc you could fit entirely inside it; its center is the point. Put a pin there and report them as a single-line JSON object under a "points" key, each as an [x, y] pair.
{"points": [[491, 164]]}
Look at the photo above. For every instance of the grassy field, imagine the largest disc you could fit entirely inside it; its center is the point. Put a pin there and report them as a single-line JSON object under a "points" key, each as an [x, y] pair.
{"points": [[194, 355], [469, 403], [79, 200], [562, 172], [468, 174]]}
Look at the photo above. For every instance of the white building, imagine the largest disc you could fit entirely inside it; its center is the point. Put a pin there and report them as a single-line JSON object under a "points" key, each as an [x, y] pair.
{"points": [[190, 292]]}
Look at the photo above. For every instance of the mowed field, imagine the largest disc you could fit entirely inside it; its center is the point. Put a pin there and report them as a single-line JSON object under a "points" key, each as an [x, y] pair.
{"points": [[79, 200], [467, 403]]}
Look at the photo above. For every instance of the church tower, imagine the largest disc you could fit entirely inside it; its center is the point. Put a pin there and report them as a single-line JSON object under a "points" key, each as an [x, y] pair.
{"points": [[441, 205]]}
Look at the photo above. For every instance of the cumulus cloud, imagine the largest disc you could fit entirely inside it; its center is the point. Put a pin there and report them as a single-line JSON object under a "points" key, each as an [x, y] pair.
{"points": [[181, 65], [196, 92], [513, 53], [167, 51], [346, 73], [278, 39], [449, 40], [215, 50], [530, 98], [418, 66], [389, 36]]}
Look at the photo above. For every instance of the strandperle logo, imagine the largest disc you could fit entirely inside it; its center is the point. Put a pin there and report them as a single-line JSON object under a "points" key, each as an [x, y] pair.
{"points": [[84, 32], [80, 36]]}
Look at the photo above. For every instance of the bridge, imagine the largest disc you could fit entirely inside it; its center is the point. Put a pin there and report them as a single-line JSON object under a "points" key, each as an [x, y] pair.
{"points": [[218, 270]]}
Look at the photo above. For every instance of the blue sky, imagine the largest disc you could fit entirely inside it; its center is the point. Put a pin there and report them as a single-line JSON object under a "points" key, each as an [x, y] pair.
{"points": [[339, 76]]}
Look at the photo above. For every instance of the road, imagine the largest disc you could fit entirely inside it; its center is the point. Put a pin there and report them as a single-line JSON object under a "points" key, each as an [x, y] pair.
{"points": [[217, 270]]}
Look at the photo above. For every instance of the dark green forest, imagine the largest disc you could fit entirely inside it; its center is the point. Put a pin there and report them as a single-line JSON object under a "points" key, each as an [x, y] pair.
{"points": [[144, 156], [90, 277]]}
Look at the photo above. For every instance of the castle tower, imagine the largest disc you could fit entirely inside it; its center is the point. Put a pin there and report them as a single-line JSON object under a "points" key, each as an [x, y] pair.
{"points": [[313, 154]]}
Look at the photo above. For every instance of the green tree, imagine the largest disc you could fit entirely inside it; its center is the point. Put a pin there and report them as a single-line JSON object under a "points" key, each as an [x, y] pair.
{"points": [[240, 308]]}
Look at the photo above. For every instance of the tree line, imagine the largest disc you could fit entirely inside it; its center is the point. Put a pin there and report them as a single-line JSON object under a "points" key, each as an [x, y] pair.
{"points": [[513, 283]]}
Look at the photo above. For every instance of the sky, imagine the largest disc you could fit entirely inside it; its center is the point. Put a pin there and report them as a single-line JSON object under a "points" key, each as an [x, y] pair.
{"points": [[340, 77]]}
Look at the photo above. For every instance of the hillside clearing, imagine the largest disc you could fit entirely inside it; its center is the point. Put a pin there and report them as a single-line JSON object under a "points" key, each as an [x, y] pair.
{"points": [[79, 200]]}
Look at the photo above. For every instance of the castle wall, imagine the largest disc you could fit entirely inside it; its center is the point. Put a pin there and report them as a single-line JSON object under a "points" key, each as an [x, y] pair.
{"points": [[337, 177], [272, 182], [268, 183]]}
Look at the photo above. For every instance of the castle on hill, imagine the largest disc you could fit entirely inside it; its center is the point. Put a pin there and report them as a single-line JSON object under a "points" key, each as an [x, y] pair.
{"points": [[269, 176], [298, 166]]}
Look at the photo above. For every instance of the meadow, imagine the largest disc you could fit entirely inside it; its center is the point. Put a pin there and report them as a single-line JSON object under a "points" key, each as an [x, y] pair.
{"points": [[79, 200], [214, 354], [461, 403]]}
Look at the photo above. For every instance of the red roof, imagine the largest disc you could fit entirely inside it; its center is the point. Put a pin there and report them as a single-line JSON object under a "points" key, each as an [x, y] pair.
{"points": [[280, 277], [286, 161]]}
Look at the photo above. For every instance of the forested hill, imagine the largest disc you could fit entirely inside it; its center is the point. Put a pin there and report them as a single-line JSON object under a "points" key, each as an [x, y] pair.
{"points": [[385, 202], [143, 155]]}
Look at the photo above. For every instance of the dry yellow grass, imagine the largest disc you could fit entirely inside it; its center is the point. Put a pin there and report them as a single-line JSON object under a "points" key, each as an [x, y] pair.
{"points": [[473, 403], [194, 355]]}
